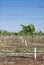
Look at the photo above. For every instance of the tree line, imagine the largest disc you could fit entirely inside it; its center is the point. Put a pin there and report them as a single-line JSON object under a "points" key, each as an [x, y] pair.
{"points": [[26, 30]]}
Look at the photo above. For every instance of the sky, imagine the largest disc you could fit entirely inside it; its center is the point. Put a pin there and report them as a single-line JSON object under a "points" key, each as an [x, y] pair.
{"points": [[16, 12]]}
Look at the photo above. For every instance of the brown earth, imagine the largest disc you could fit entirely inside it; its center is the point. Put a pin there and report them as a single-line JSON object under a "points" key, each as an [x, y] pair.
{"points": [[20, 61]]}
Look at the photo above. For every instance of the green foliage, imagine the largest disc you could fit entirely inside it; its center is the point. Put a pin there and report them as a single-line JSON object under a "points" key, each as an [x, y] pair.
{"points": [[17, 51], [16, 33], [27, 30], [5, 32], [0, 31], [40, 32]]}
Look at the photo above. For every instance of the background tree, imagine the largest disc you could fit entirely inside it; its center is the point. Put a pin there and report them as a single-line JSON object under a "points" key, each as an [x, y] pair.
{"points": [[40, 32], [27, 30], [5, 32], [0, 32]]}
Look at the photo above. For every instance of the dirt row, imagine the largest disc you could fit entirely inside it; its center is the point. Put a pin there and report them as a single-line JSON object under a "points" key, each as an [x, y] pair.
{"points": [[20, 60]]}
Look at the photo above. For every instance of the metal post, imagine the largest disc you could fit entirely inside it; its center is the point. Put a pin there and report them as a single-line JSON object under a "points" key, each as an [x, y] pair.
{"points": [[35, 53]]}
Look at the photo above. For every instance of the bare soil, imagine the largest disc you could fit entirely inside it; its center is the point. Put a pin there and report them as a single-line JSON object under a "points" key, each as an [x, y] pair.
{"points": [[20, 61]]}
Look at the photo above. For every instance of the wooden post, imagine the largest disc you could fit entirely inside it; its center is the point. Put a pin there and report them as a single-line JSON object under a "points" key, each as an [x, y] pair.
{"points": [[25, 43]]}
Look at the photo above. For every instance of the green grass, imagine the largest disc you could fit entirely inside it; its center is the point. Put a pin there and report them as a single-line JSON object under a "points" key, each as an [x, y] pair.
{"points": [[21, 50]]}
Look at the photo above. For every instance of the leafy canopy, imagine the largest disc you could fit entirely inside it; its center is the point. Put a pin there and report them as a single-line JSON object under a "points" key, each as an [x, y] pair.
{"points": [[27, 30]]}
